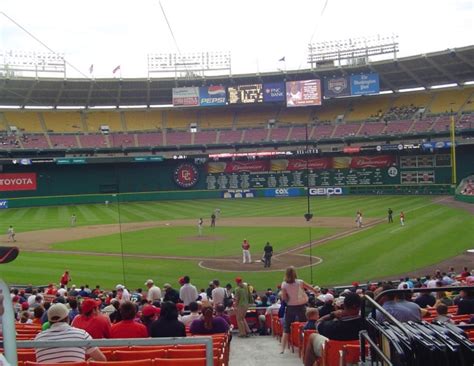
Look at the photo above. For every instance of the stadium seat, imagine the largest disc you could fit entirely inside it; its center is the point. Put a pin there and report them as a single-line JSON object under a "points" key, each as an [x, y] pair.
{"points": [[330, 351], [294, 340], [139, 355], [350, 354], [27, 363], [27, 355], [306, 334], [183, 361], [148, 362], [191, 353]]}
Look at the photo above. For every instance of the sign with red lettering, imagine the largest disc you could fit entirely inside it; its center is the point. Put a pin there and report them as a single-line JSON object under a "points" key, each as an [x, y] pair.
{"points": [[18, 182], [383, 161]]}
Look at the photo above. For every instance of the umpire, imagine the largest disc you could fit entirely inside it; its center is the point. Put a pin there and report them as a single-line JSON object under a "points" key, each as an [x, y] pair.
{"points": [[267, 255]]}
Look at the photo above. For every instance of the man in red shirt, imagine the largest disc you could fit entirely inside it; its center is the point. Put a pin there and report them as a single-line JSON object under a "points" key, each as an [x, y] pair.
{"points": [[128, 327], [246, 258], [90, 319], [65, 278]]}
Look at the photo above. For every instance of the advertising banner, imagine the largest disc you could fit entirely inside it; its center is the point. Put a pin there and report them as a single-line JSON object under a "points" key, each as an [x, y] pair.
{"points": [[303, 93], [337, 87], [365, 84], [383, 161], [18, 182], [186, 97], [238, 166], [300, 164], [273, 92], [212, 95], [326, 191], [3, 204], [282, 192], [245, 94]]}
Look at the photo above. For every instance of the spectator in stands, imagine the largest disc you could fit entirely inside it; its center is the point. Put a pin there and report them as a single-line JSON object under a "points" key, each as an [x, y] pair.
{"points": [[241, 303], [327, 306], [442, 298], [37, 315], [207, 323], [397, 306], [187, 293], [293, 292], [168, 324], [425, 299], [25, 317], [442, 317], [128, 327], [149, 314], [465, 272], [170, 294], [340, 325], [312, 314], [122, 293], [61, 330], [466, 302], [194, 309], [96, 324], [218, 293], [220, 312], [229, 296], [73, 312], [154, 292]]}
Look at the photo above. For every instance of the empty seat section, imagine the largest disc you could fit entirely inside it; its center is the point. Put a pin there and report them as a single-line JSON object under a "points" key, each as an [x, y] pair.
{"points": [[322, 132], [143, 120], [366, 108], [62, 121], [469, 106], [60, 141], [229, 137], [447, 100], [178, 138], [442, 124], [27, 122], [121, 140], [466, 122], [422, 125], [180, 119], [345, 130], [150, 139], [397, 127], [372, 129], [216, 118], [299, 133], [419, 99], [330, 110], [255, 117], [279, 134], [35, 141], [97, 119], [205, 137], [97, 141], [294, 115], [256, 135]]}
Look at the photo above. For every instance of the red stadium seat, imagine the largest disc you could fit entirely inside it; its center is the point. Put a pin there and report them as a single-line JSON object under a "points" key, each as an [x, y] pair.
{"points": [[330, 351], [148, 362], [191, 353], [183, 361], [139, 355], [27, 355], [28, 363]]}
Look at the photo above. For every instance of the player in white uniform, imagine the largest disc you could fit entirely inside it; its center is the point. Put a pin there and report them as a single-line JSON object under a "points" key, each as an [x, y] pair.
{"points": [[200, 223], [11, 233]]}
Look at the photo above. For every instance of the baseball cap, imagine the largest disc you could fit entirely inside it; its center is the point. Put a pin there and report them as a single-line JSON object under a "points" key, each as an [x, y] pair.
{"points": [[25, 306], [238, 279], [180, 306], [57, 312], [166, 285], [119, 287], [181, 280], [89, 304], [328, 297], [321, 298], [149, 282], [16, 298], [149, 310]]}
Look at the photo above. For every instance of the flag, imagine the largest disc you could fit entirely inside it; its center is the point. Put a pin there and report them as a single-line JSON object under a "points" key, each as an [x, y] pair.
{"points": [[116, 69], [282, 59], [91, 68]]}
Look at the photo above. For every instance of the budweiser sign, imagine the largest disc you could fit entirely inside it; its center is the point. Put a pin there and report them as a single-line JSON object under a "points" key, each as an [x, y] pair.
{"points": [[18, 182], [383, 161]]}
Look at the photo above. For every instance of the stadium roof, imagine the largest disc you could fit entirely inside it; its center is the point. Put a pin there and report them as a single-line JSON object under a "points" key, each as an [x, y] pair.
{"points": [[453, 66]]}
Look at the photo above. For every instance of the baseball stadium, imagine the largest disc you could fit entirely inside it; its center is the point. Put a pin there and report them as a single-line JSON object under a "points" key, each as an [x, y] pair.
{"points": [[357, 173]]}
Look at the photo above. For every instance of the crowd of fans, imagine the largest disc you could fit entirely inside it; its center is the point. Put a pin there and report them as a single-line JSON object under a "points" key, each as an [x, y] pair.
{"points": [[85, 313]]}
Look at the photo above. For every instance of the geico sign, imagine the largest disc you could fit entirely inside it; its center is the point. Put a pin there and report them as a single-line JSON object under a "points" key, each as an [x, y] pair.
{"points": [[325, 191]]}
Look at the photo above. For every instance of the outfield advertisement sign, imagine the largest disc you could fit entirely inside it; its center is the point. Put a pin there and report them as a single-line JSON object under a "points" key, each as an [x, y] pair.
{"points": [[213, 95], [283, 192], [18, 182], [274, 92], [186, 97], [337, 87], [303, 93], [245, 94], [326, 191], [365, 84], [3, 204]]}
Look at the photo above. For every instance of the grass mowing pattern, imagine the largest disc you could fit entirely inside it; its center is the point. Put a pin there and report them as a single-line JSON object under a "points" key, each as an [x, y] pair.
{"points": [[433, 233]]}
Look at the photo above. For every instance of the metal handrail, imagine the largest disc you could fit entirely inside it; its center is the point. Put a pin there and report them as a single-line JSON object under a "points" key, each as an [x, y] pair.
{"points": [[423, 289]]}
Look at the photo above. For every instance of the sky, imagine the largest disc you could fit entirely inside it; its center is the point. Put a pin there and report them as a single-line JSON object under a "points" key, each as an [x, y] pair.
{"points": [[257, 33]]}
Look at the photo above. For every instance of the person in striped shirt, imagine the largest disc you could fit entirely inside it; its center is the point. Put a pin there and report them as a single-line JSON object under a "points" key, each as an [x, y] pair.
{"points": [[60, 330]]}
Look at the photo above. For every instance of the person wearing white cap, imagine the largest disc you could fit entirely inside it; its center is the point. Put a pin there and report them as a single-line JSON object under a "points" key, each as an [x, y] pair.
{"points": [[154, 292], [122, 293], [61, 330]]}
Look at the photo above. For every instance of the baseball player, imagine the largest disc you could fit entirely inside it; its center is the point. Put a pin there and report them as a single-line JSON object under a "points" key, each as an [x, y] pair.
{"points": [[73, 220], [11, 233], [390, 215], [200, 223], [402, 218], [213, 220], [246, 258]]}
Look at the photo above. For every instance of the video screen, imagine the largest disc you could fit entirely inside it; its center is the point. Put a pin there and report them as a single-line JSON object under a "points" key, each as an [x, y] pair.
{"points": [[245, 94], [303, 93]]}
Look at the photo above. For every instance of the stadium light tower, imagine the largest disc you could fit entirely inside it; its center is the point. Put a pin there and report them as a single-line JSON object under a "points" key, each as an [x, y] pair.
{"points": [[189, 65], [32, 64], [352, 51]]}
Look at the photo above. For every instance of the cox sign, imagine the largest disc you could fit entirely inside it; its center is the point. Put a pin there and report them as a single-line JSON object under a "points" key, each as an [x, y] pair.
{"points": [[326, 191], [282, 192]]}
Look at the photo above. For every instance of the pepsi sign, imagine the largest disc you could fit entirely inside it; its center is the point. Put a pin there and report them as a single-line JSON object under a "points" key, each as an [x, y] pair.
{"points": [[212, 95], [273, 92]]}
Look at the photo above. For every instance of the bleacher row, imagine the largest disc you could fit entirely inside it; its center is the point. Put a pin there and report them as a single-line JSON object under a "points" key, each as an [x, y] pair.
{"points": [[250, 135], [166, 355]]}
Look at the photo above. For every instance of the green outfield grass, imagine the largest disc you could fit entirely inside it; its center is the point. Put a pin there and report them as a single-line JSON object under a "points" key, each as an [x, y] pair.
{"points": [[433, 232]]}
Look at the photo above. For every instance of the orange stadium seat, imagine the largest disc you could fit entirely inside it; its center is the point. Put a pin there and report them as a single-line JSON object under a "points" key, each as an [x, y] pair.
{"points": [[183, 361], [191, 353], [139, 355], [27, 363], [148, 362], [330, 351], [27, 355]]}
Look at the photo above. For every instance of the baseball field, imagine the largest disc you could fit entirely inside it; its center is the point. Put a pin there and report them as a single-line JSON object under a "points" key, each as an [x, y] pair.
{"points": [[131, 242]]}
